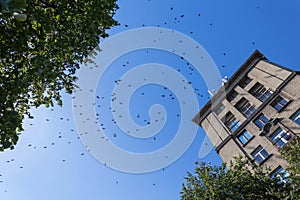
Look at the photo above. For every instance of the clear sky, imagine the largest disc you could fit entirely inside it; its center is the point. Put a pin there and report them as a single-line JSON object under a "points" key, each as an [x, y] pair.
{"points": [[51, 162]]}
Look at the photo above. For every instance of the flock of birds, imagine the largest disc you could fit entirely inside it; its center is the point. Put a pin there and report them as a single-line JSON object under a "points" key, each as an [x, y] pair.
{"points": [[187, 69]]}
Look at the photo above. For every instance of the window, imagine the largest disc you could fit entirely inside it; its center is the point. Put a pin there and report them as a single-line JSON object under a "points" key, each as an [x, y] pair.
{"points": [[219, 109], [280, 137], [232, 95], [261, 121], [245, 107], [296, 117], [231, 122], [281, 174], [260, 92], [245, 81], [260, 154], [244, 137], [279, 103]]}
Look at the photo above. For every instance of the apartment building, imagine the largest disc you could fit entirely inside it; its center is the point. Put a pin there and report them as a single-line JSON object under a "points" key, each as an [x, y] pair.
{"points": [[255, 113]]}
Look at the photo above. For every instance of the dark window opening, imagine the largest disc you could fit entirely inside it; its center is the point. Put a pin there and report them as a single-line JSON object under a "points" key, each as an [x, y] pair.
{"points": [[261, 121], [260, 92], [245, 81], [280, 137], [279, 103], [245, 107], [219, 109], [244, 137], [231, 95], [296, 117], [260, 154], [231, 122]]}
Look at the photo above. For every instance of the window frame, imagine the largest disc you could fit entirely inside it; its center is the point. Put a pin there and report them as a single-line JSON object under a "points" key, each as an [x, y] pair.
{"points": [[280, 137], [246, 136], [259, 153], [260, 92], [296, 117], [244, 106], [231, 122], [245, 81], [262, 122], [219, 108], [281, 174], [231, 95], [278, 105]]}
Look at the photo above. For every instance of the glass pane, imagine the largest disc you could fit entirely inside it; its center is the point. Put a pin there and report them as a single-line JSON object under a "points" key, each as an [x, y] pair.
{"points": [[254, 90], [282, 101], [261, 121], [281, 174], [260, 93], [232, 95], [245, 81], [296, 117], [280, 137], [258, 123], [256, 151], [235, 124], [280, 143], [260, 154], [219, 109], [242, 139], [279, 103], [264, 153], [263, 118], [266, 95], [277, 171], [275, 135], [259, 159], [247, 135], [249, 110], [278, 107]]}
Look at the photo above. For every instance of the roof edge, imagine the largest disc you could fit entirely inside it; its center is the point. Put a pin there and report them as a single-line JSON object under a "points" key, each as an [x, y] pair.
{"points": [[255, 57]]}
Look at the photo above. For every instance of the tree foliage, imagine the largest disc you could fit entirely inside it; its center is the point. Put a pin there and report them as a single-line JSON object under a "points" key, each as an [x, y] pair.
{"points": [[291, 152], [241, 180], [39, 56]]}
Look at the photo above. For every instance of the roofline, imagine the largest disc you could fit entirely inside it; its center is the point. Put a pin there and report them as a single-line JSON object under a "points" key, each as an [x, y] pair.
{"points": [[254, 58]]}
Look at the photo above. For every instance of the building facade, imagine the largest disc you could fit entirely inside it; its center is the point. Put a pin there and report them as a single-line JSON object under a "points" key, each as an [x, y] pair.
{"points": [[255, 114]]}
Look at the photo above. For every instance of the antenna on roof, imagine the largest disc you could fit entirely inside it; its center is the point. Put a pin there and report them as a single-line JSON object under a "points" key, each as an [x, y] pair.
{"points": [[212, 92], [224, 80]]}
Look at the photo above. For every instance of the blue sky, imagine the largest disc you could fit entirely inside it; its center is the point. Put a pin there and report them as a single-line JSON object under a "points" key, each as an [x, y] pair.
{"points": [[50, 162]]}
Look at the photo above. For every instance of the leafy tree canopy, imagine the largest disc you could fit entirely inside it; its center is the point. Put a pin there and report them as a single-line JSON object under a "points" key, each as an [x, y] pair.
{"points": [[291, 152], [39, 56], [244, 180]]}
